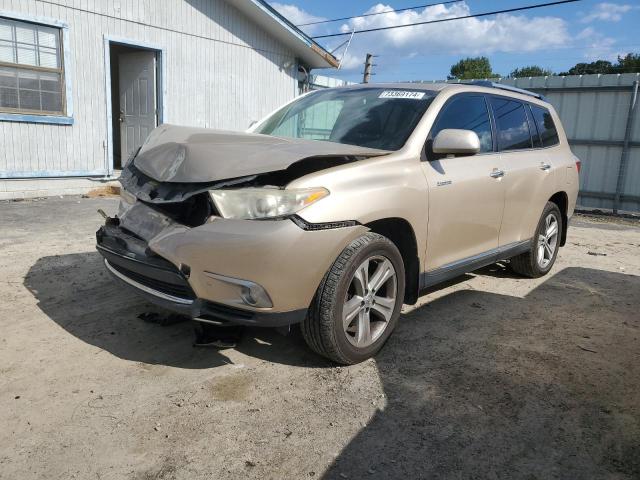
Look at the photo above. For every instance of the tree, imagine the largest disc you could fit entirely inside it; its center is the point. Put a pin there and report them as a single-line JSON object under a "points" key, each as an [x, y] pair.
{"points": [[630, 63], [599, 66], [468, 68], [530, 71]]}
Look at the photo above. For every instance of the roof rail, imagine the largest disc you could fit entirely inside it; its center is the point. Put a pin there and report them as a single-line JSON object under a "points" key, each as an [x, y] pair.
{"points": [[501, 86]]}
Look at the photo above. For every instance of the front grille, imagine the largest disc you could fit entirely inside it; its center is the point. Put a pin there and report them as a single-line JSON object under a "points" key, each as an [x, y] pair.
{"points": [[192, 212], [181, 289]]}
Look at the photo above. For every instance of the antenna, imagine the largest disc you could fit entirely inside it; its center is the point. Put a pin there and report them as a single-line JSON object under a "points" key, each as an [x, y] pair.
{"points": [[346, 48]]}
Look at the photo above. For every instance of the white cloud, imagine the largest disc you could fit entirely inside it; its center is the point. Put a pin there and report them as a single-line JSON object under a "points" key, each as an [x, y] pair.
{"points": [[467, 37], [608, 12], [595, 45], [297, 16], [472, 36]]}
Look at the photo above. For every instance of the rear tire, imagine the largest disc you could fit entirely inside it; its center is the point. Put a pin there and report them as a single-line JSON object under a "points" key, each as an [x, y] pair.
{"points": [[544, 245], [358, 302]]}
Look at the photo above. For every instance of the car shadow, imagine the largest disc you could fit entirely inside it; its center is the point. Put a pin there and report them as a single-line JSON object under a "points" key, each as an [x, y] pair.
{"points": [[483, 386], [77, 293], [498, 270], [476, 384]]}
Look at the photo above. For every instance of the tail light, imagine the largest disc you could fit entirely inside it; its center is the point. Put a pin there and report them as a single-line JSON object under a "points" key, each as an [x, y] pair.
{"points": [[578, 165]]}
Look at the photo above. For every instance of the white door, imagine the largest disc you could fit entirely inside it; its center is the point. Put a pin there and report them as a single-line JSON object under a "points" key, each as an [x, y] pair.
{"points": [[137, 100]]}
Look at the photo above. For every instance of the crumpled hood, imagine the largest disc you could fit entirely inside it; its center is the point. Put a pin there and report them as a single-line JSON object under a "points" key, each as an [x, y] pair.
{"points": [[184, 154]]}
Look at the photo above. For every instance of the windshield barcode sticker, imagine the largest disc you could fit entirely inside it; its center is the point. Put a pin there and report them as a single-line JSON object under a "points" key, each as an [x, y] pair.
{"points": [[402, 94]]}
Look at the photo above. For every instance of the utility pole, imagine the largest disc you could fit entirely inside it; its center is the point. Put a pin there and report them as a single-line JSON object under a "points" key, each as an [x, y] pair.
{"points": [[368, 65]]}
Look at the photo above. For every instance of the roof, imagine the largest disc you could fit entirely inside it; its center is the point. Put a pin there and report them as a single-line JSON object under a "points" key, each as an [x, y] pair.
{"points": [[307, 50], [494, 88], [423, 87]]}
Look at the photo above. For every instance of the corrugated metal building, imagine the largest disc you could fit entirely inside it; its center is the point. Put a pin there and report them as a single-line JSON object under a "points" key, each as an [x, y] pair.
{"points": [[83, 81]]}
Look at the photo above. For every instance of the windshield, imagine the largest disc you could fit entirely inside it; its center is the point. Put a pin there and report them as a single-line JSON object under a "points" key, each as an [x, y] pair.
{"points": [[368, 117]]}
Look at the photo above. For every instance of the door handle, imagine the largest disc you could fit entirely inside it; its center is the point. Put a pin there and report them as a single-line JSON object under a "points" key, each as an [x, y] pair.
{"points": [[496, 173], [545, 166], [121, 116]]}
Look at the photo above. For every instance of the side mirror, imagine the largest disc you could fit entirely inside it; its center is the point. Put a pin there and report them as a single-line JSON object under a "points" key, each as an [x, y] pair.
{"points": [[452, 141]]}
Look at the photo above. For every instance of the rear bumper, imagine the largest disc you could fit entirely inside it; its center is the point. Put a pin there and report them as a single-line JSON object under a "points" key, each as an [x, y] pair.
{"points": [[128, 259]]}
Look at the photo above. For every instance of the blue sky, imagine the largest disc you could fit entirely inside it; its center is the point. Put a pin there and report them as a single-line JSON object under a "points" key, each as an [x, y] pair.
{"points": [[555, 37]]}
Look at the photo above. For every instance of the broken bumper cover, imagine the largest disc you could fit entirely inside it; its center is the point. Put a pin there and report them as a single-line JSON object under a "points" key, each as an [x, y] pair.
{"points": [[183, 269], [128, 259]]}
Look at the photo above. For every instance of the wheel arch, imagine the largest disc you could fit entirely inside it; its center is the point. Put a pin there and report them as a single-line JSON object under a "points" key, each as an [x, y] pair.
{"points": [[402, 235], [561, 199]]}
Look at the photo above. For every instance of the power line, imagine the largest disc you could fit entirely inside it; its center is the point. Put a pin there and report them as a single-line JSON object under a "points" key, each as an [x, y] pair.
{"points": [[484, 14], [378, 13], [629, 48]]}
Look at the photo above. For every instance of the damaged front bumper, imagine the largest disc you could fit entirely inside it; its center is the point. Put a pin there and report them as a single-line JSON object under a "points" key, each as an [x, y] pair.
{"points": [[213, 272], [163, 284]]}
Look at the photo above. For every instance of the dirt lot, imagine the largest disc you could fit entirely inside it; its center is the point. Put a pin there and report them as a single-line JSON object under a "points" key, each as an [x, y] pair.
{"points": [[491, 377]]}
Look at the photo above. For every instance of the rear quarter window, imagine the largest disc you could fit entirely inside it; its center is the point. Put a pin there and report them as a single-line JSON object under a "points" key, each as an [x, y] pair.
{"points": [[545, 125]]}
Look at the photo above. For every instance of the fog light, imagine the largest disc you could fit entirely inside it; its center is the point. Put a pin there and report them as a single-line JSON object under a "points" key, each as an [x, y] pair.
{"points": [[255, 296], [244, 292]]}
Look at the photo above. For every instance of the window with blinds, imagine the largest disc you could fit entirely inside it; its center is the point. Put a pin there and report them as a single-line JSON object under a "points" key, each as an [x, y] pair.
{"points": [[31, 68]]}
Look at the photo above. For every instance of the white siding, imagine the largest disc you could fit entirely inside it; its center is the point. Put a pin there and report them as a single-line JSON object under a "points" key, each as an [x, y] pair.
{"points": [[222, 72]]}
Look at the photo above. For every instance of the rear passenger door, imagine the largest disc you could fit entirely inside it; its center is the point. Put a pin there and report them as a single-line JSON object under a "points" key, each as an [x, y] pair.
{"points": [[466, 194], [529, 174]]}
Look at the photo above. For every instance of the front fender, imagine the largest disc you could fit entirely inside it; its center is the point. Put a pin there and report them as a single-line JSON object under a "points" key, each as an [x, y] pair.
{"points": [[370, 190]]}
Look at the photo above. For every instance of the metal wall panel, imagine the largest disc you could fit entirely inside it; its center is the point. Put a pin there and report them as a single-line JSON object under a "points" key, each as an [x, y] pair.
{"points": [[223, 71], [595, 110]]}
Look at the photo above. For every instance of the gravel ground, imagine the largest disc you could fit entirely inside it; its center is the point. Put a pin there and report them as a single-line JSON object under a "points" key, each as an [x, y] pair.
{"points": [[493, 376]]}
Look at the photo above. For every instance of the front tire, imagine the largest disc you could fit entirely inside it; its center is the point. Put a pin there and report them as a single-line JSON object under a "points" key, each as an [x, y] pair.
{"points": [[544, 245], [358, 302]]}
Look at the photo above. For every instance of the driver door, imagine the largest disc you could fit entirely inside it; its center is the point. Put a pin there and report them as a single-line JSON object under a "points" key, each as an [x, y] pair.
{"points": [[466, 193]]}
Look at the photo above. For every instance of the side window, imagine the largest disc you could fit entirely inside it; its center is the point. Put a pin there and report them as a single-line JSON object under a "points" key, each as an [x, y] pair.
{"points": [[511, 120], [467, 112], [546, 127]]}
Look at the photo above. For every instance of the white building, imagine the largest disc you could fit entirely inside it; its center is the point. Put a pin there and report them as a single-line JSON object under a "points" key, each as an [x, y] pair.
{"points": [[83, 81]]}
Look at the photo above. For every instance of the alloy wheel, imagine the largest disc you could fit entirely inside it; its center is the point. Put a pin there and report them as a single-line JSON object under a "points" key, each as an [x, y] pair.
{"points": [[548, 241], [370, 301]]}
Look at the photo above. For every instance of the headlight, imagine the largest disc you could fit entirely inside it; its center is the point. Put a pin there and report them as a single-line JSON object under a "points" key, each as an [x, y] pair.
{"points": [[252, 203]]}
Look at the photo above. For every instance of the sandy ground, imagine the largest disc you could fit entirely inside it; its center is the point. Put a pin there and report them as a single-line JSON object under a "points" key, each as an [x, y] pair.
{"points": [[491, 377]]}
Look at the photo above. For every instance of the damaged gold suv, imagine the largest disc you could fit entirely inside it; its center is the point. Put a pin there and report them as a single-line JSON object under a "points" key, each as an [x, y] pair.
{"points": [[341, 206]]}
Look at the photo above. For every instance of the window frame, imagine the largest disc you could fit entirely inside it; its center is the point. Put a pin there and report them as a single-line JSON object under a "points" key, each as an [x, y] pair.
{"points": [[555, 126], [430, 156], [533, 127], [524, 105], [532, 120], [31, 116]]}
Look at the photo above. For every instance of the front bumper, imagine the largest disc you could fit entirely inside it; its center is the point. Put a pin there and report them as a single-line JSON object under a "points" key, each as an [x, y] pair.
{"points": [[179, 267], [128, 259]]}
